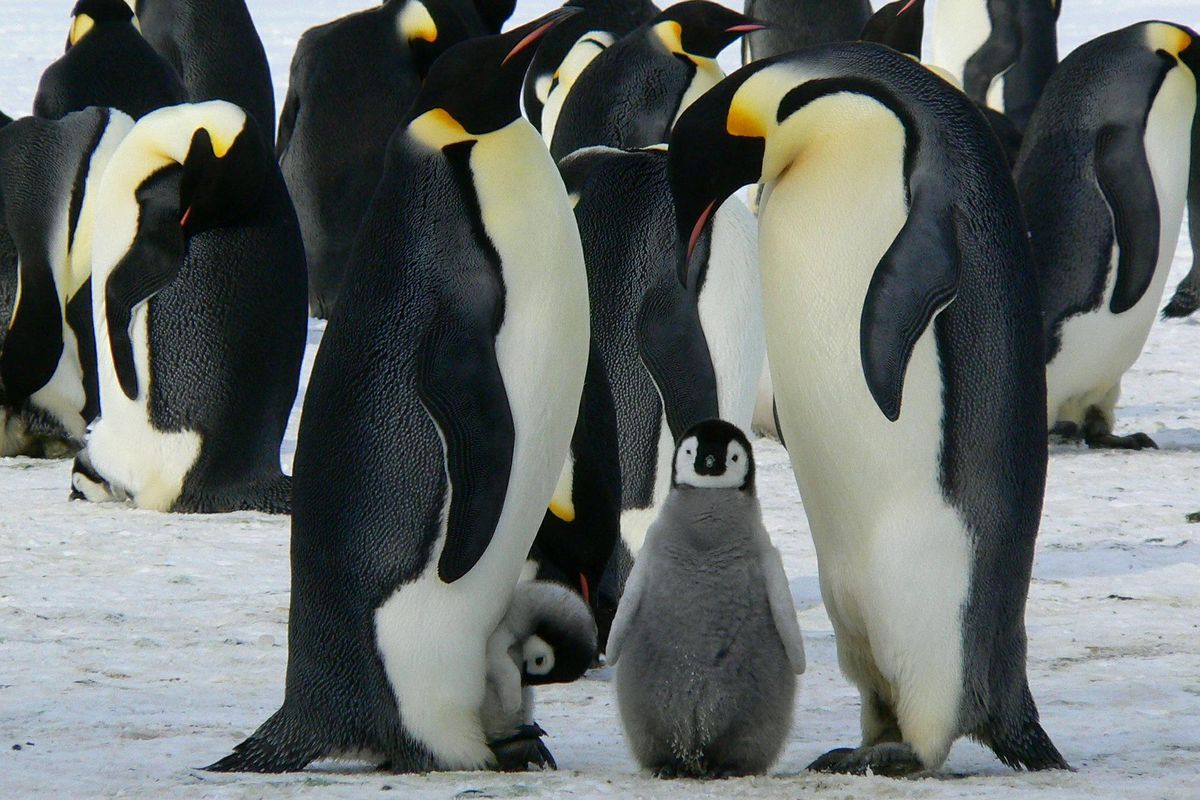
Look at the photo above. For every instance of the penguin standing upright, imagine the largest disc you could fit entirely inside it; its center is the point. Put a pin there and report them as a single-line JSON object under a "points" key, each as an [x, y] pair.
{"points": [[199, 313], [107, 63], [905, 347], [1001, 52], [675, 355], [434, 430], [49, 173], [351, 82], [215, 48], [630, 95], [1186, 298], [569, 48], [1104, 176], [802, 23]]}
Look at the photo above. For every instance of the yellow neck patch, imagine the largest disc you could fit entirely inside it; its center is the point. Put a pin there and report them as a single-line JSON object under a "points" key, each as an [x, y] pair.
{"points": [[744, 121], [436, 129], [82, 25], [671, 35], [416, 23]]}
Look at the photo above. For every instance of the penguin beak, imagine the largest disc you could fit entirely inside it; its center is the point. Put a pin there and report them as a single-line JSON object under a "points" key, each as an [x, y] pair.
{"points": [[539, 28], [749, 27]]}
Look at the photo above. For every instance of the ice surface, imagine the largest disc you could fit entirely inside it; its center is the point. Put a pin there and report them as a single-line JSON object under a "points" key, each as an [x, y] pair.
{"points": [[136, 646]]}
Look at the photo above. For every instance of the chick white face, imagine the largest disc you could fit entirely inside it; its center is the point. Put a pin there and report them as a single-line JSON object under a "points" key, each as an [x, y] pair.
{"points": [[711, 465], [538, 656]]}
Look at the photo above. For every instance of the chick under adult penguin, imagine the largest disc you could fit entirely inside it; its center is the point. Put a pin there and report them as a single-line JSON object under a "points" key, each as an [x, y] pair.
{"points": [[706, 643], [107, 63], [352, 81], [630, 95], [429, 445]]}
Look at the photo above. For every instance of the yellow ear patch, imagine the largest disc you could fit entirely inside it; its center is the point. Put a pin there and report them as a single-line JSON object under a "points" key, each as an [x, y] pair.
{"points": [[565, 512], [416, 23], [743, 121], [1167, 37], [82, 25], [670, 33], [437, 128], [220, 144]]}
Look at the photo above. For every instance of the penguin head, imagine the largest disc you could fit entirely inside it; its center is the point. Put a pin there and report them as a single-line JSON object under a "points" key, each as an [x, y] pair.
{"points": [[223, 176], [88, 14], [562, 644], [899, 25], [430, 28], [714, 455], [701, 28], [474, 88]]}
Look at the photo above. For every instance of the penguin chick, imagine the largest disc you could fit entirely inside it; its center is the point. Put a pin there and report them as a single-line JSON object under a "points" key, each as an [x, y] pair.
{"points": [[547, 636], [706, 642]]}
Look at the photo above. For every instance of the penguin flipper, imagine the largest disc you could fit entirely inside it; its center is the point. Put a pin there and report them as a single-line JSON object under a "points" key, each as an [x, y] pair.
{"points": [[460, 385], [672, 345], [34, 342], [1123, 173], [627, 610], [287, 123], [915, 279], [783, 610]]}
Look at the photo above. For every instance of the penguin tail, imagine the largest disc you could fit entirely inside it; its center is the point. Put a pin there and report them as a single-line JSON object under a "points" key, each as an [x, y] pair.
{"points": [[1021, 742], [275, 496], [279, 745]]}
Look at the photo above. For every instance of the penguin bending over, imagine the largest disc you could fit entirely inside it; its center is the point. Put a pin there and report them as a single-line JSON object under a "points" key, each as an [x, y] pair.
{"points": [[1103, 175], [909, 389], [794, 24], [352, 80], [706, 643], [430, 446], [630, 95], [199, 316], [215, 49], [49, 174], [107, 63]]}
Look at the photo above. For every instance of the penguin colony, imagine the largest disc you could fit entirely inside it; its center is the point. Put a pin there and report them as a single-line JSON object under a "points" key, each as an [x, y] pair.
{"points": [[524, 442]]}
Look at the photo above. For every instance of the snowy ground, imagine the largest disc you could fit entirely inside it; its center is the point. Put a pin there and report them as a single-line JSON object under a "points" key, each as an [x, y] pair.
{"points": [[136, 646]]}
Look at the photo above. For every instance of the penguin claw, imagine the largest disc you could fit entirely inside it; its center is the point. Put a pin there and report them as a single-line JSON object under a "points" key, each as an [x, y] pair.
{"points": [[1134, 441], [888, 759], [523, 750]]}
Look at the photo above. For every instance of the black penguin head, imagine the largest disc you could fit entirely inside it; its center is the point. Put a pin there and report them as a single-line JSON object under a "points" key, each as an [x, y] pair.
{"points": [[714, 454], [899, 25], [221, 180], [562, 644], [429, 27], [90, 13], [477, 83], [701, 28]]}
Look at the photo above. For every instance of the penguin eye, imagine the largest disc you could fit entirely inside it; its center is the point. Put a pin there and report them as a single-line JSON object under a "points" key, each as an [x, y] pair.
{"points": [[540, 660], [735, 458]]}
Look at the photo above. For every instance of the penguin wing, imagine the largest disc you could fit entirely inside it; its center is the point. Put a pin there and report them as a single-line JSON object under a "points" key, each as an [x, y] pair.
{"points": [[783, 610], [287, 123], [915, 279], [627, 609], [672, 345], [1123, 173], [460, 385]]}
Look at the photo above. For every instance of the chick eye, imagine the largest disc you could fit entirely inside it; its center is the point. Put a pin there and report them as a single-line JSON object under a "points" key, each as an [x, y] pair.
{"points": [[735, 458], [540, 660]]}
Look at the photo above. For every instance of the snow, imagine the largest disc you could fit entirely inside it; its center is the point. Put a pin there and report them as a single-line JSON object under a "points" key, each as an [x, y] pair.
{"points": [[136, 646]]}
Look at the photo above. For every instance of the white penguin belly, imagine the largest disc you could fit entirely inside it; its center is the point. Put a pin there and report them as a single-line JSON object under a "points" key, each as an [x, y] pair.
{"points": [[1098, 347], [893, 555], [582, 53], [432, 635], [708, 74], [960, 27]]}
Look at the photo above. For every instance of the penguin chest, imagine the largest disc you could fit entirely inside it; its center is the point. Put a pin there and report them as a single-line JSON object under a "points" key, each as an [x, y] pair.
{"points": [[960, 28], [707, 75], [582, 53], [1097, 347]]}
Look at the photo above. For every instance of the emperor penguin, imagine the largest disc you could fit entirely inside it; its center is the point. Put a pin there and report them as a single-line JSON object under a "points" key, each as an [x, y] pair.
{"points": [[49, 170], [1001, 52], [1104, 176], [430, 444], [905, 348], [630, 95], [198, 306], [676, 355], [215, 49], [802, 23], [569, 48], [351, 82], [107, 63], [547, 636], [706, 643]]}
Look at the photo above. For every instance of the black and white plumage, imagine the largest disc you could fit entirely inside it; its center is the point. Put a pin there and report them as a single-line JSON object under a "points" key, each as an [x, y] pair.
{"points": [[706, 642], [107, 63], [198, 306], [434, 430], [1108, 163], [352, 81], [802, 23], [910, 388]]}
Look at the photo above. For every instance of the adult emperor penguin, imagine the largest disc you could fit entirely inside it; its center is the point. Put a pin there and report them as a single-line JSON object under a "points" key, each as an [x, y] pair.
{"points": [[1001, 52], [1186, 298], [906, 354], [570, 47], [199, 313], [630, 95], [107, 63], [49, 171], [675, 355], [1103, 175], [366, 67], [429, 445], [802, 23], [215, 49]]}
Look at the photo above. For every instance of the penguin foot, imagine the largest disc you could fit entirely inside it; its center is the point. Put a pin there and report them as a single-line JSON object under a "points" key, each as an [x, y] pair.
{"points": [[888, 759], [1108, 441], [523, 750], [1067, 432]]}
